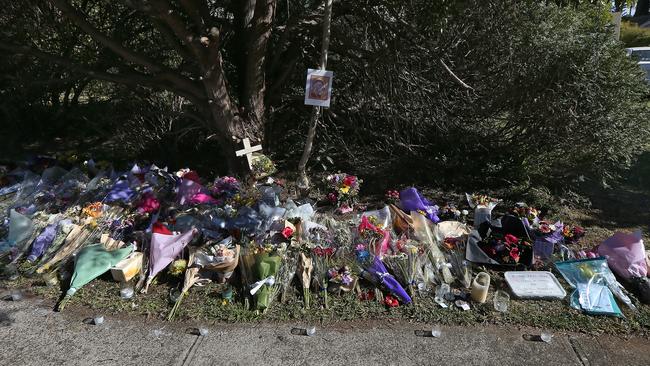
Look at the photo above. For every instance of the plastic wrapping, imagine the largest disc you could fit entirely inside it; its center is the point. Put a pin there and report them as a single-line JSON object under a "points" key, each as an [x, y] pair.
{"points": [[544, 244], [411, 200], [595, 286], [424, 233], [482, 212], [303, 212], [21, 228], [625, 254], [383, 217]]}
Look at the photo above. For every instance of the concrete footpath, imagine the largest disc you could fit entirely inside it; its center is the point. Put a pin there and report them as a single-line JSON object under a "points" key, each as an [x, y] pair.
{"points": [[32, 334]]}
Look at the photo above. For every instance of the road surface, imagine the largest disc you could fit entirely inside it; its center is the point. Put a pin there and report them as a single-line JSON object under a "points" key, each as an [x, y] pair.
{"points": [[32, 334]]}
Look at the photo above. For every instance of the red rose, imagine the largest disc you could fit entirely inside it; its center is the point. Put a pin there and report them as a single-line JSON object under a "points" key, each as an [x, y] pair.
{"points": [[514, 254], [287, 232], [349, 180], [193, 176], [390, 301], [511, 239]]}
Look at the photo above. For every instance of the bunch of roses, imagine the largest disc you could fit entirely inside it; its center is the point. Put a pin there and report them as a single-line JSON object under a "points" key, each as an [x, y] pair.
{"points": [[508, 249]]}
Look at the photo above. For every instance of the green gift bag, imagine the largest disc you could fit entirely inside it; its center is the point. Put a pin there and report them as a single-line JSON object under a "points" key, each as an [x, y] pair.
{"points": [[267, 267], [93, 261]]}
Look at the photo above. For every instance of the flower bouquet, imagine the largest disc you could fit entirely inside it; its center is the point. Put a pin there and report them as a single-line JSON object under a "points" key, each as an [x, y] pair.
{"points": [[306, 268], [529, 215], [267, 266], [375, 271], [220, 258], [368, 251], [225, 188], [507, 249], [422, 231], [322, 260], [285, 275], [341, 279], [191, 277], [405, 265], [546, 235], [452, 236], [262, 167], [572, 234], [482, 206], [392, 197], [343, 190], [450, 212]]}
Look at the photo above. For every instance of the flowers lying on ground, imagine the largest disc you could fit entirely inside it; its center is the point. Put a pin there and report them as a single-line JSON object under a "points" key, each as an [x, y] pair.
{"points": [[263, 166], [226, 187], [343, 189], [507, 249], [392, 196], [391, 301], [523, 211], [572, 233]]}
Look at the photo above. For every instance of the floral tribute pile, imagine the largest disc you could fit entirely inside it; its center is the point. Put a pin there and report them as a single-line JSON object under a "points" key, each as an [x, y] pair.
{"points": [[150, 227]]}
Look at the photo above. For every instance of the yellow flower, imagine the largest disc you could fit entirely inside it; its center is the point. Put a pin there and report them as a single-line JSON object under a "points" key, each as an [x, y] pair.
{"points": [[345, 189]]}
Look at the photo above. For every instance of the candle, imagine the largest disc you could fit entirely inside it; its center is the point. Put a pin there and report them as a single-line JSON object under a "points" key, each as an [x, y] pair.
{"points": [[480, 287]]}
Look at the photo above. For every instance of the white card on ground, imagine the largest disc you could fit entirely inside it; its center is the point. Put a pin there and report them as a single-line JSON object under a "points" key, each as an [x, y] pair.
{"points": [[534, 284]]}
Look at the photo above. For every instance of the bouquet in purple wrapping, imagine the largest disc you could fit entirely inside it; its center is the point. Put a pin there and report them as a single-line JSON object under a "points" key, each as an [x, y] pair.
{"points": [[411, 200]]}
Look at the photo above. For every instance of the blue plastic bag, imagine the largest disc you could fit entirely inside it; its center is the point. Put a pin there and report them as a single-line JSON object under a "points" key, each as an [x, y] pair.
{"points": [[595, 286]]}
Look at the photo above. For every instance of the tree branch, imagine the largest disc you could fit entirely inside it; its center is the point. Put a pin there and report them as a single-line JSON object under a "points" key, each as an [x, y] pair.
{"points": [[166, 13], [131, 78], [456, 78], [129, 55], [79, 19]]}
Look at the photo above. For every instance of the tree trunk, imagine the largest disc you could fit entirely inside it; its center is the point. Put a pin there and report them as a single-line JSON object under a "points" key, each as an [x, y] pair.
{"points": [[303, 179], [253, 91], [230, 128], [642, 8]]}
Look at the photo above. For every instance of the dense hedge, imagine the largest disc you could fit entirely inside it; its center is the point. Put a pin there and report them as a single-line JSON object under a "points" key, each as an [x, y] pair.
{"points": [[549, 97]]}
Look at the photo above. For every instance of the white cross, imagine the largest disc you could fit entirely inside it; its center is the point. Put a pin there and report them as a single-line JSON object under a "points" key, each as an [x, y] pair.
{"points": [[248, 151]]}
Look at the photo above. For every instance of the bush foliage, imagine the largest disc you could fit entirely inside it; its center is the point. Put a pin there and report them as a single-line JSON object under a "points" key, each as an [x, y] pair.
{"points": [[634, 36], [432, 91], [553, 96]]}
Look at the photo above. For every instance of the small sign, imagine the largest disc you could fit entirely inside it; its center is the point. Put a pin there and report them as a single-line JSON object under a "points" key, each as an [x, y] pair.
{"points": [[534, 284], [318, 90]]}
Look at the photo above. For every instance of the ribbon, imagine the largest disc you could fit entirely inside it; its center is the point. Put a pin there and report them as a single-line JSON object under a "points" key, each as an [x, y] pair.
{"points": [[382, 275], [270, 280]]}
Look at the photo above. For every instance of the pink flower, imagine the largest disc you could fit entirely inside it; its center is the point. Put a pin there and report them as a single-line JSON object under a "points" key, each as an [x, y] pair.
{"points": [[511, 239], [287, 232], [360, 247], [345, 209], [544, 227], [148, 204], [514, 254]]}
